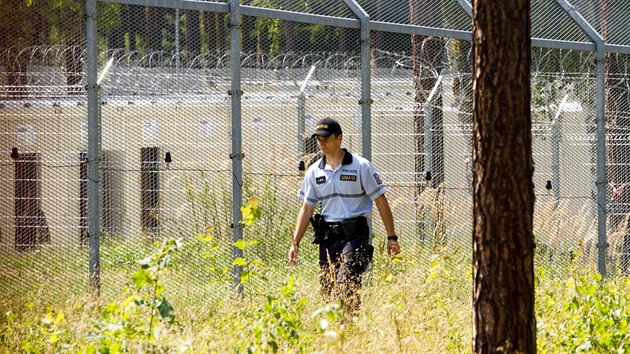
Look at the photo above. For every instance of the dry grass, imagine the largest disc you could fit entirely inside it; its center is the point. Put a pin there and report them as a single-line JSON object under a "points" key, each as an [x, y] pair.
{"points": [[403, 311], [421, 304]]}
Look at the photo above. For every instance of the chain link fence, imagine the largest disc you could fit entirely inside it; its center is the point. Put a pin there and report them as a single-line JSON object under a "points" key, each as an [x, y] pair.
{"points": [[166, 96]]}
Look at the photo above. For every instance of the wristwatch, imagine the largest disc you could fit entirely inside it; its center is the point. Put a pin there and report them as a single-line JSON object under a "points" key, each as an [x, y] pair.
{"points": [[392, 238]]}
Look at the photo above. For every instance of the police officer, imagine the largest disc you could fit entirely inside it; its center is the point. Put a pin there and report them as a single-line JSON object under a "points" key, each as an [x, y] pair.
{"points": [[346, 185]]}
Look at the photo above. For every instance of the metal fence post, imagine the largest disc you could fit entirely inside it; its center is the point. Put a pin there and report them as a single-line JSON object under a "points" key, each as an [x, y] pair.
{"points": [[602, 243], [366, 79], [94, 146], [237, 153], [428, 127], [301, 113], [556, 136], [428, 139]]}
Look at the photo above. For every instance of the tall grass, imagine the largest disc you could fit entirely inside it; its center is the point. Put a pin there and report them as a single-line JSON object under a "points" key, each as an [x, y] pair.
{"points": [[419, 302], [408, 306]]}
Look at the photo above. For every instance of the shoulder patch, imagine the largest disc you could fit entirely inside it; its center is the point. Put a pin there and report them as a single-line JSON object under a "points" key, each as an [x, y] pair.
{"points": [[377, 178]]}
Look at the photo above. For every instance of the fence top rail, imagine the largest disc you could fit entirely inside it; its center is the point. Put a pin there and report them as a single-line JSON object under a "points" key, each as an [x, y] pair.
{"points": [[580, 21]]}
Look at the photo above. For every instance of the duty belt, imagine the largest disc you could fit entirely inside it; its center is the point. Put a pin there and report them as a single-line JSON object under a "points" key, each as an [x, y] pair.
{"points": [[347, 227]]}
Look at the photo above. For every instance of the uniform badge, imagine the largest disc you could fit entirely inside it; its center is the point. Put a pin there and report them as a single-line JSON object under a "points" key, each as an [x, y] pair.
{"points": [[351, 178], [377, 178], [320, 180]]}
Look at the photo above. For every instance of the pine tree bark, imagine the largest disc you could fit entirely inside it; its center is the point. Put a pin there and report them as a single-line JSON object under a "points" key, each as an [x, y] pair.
{"points": [[153, 24], [193, 35], [503, 190]]}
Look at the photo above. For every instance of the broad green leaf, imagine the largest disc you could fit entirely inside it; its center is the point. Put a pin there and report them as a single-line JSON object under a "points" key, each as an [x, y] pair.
{"points": [[251, 212], [159, 289], [141, 277], [59, 318], [257, 262], [110, 309], [252, 203], [245, 275], [166, 310], [204, 237], [239, 262], [240, 244]]}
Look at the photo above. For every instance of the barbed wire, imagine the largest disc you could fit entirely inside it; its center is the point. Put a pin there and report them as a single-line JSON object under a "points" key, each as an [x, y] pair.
{"points": [[44, 70]]}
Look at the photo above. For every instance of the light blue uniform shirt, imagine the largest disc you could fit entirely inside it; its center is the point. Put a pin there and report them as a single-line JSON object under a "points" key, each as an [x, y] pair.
{"points": [[345, 193]]}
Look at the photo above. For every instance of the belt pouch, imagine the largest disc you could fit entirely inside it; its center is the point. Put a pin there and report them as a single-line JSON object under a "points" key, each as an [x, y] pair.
{"points": [[349, 226]]}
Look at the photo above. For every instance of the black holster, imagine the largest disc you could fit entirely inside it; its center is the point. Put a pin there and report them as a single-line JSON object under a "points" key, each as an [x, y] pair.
{"points": [[319, 228]]}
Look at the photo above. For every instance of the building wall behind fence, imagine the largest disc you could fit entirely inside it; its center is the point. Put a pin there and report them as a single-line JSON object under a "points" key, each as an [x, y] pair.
{"points": [[196, 133]]}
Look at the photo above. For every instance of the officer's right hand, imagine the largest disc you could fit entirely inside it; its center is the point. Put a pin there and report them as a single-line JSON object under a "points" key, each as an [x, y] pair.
{"points": [[293, 253], [393, 248]]}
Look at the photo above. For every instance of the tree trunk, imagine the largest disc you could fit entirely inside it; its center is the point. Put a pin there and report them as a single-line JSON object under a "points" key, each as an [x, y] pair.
{"points": [[127, 27], [503, 190], [116, 39], [41, 25], [342, 41], [289, 42], [75, 40], [153, 24], [215, 28], [288, 26], [210, 28], [193, 35], [248, 40], [222, 33], [13, 38]]}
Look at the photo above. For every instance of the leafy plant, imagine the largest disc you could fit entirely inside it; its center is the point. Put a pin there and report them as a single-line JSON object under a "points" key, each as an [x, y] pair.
{"points": [[215, 265], [251, 213], [593, 316], [139, 319], [277, 324], [48, 334]]}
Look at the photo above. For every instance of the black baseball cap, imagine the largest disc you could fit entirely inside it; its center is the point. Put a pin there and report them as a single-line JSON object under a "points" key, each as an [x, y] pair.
{"points": [[326, 127]]}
